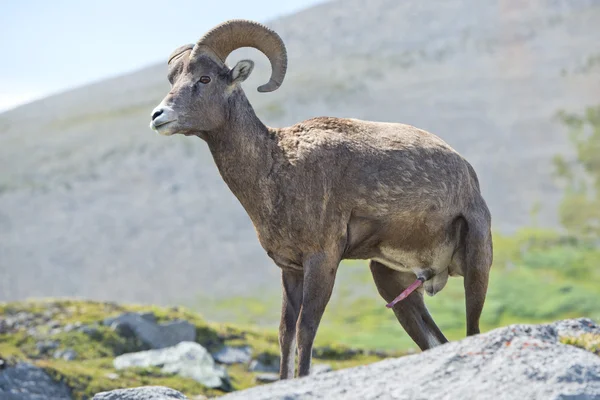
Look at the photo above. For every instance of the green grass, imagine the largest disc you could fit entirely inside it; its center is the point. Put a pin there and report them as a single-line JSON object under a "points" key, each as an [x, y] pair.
{"points": [[587, 341], [93, 371]]}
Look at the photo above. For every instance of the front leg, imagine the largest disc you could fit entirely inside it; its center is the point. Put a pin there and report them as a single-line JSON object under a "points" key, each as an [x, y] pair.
{"points": [[292, 300], [319, 276]]}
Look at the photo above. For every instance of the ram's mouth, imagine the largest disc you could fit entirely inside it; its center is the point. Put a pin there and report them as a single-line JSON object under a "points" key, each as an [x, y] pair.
{"points": [[164, 127]]}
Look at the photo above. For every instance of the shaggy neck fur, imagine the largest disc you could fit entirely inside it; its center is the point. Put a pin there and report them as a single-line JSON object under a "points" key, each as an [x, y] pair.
{"points": [[245, 152]]}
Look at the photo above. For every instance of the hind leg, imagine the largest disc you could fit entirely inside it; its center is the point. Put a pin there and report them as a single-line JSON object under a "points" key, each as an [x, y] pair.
{"points": [[478, 261], [411, 312]]}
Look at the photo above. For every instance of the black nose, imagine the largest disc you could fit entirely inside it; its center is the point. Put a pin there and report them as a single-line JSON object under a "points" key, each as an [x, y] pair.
{"points": [[157, 114]]}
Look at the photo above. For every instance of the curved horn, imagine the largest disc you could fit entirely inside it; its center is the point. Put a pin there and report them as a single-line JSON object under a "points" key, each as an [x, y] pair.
{"points": [[233, 34], [180, 50]]}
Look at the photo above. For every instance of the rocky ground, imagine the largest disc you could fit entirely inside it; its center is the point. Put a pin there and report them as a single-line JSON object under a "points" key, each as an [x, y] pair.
{"points": [[515, 362], [67, 349]]}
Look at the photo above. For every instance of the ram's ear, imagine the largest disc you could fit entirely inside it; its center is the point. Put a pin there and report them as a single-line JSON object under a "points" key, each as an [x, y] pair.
{"points": [[241, 71]]}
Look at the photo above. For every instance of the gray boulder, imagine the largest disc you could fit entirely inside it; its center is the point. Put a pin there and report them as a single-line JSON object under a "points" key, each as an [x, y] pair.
{"points": [[27, 382], [233, 355], [515, 362], [316, 369], [141, 393], [187, 359], [155, 336]]}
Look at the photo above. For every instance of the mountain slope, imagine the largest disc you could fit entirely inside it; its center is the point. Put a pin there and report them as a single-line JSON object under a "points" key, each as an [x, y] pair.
{"points": [[92, 203]]}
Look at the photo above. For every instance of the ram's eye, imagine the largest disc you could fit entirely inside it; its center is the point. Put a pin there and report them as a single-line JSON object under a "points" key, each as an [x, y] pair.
{"points": [[204, 79]]}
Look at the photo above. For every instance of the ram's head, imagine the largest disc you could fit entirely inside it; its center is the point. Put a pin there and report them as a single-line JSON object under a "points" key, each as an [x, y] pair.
{"points": [[204, 88]]}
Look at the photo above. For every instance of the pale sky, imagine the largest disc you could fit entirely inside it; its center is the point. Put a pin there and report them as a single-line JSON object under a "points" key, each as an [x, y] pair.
{"points": [[50, 46]]}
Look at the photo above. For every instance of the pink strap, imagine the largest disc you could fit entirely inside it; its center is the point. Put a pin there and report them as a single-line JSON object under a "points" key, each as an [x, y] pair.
{"points": [[405, 293]]}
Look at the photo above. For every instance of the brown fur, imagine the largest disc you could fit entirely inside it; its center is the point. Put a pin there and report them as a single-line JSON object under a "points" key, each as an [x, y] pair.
{"points": [[328, 189]]}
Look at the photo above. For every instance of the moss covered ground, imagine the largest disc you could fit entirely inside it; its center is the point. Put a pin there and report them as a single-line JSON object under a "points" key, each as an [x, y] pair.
{"points": [[92, 371]]}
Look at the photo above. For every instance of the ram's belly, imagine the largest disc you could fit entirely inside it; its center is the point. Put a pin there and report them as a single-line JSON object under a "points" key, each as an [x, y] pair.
{"points": [[436, 259]]}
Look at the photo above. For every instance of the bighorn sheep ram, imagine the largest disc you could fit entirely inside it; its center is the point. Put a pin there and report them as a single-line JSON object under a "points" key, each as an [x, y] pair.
{"points": [[328, 189]]}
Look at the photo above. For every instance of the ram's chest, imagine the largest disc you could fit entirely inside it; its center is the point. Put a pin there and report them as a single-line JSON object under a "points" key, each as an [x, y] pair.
{"points": [[288, 239]]}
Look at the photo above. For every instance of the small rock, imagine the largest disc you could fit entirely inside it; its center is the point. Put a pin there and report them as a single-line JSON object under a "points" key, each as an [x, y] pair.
{"points": [[28, 382], [123, 329], [67, 354], [187, 359], [112, 376], [72, 327], [266, 378], [90, 330], [46, 345], [141, 393], [3, 326], [379, 353], [22, 317], [55, 331], [53, 324], [48, 314], [233, 355], [265, 362]]}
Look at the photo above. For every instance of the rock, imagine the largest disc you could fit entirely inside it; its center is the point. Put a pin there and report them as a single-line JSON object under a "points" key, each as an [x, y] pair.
{"points": [[174, 332], [123, 329], [4, 327], [72, 327], [267, 378], [53, 324], [514, 362], [265, 362], [91, 330], [273, 376], [33, 332], [320, 369], [46, 345], [187, 359], [340, 353], [66, 354], [155, 336], [27, 382], [55, 331], [112, 376], [141, 393], [149, 316], [233, 355]]}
